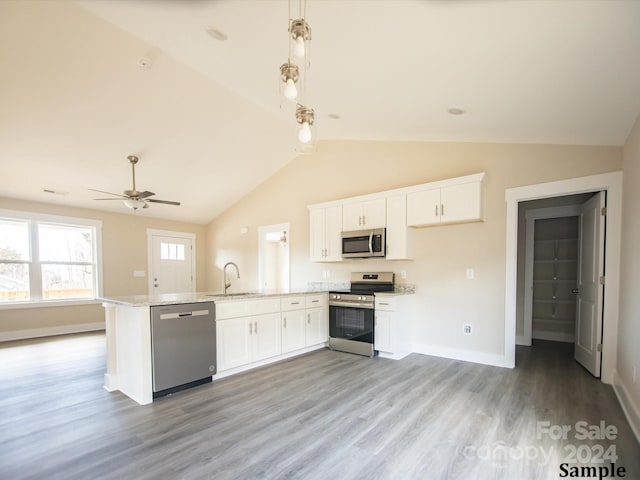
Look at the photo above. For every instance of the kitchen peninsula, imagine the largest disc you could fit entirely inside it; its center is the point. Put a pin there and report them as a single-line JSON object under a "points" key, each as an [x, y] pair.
{"points": [[251, 329]]}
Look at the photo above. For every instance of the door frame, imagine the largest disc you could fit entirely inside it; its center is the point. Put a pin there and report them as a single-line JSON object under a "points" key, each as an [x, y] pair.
{"points": [[610, 182], [531, 217], [168, 233], [279, 227]]}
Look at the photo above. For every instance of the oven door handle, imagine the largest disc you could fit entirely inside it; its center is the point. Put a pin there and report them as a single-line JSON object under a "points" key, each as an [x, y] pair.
{"points": [[351, 305], [371, 243]]}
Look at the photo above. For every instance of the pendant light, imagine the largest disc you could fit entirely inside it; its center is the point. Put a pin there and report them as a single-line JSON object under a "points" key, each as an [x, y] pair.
{"points": [[293, 79]]}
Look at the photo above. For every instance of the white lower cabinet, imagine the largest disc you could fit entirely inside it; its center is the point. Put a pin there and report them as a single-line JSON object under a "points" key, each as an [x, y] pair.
{"points": [[304, 323], [393, 326], [252, 331], [245, 340]]}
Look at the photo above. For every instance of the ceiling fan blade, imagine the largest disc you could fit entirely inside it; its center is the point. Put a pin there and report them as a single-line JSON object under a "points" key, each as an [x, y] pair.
{"points": [[166, 202], [108, 193], [145, 194], [119, 199]]}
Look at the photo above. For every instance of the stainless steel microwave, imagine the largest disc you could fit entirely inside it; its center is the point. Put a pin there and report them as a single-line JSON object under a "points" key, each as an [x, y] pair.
{"points": [[364, 243]]}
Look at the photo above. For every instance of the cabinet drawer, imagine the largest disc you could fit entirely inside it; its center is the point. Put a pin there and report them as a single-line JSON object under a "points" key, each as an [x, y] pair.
{"points": [[245, 308], [386, 303], [292, 303], [312, 301]]}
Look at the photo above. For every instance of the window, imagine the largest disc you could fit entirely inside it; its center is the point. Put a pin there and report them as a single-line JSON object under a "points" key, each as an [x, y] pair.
{"points": [[171, 251], [45, 259]]}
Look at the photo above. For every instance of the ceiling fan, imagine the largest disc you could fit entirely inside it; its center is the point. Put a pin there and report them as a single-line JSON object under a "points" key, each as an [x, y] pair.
{"points": [[133, 198]]}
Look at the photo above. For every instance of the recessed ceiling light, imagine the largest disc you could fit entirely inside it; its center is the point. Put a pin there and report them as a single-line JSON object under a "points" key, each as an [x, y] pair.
{"points": [[145, 62], [455, 111], [213, 32], [334, 116]]}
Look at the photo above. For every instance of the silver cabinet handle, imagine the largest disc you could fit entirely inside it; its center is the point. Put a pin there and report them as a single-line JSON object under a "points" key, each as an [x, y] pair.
{"points": [[315, 301], [360, 220], [255, 327], [285, 322], [250, 328], [442, 210], [295, 303], [382, 303], [308, 318], [436, 210], [364, 220]]}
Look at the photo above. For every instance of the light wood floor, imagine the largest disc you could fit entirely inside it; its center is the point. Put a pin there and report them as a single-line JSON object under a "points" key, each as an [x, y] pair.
{"points": [[326, 415]]}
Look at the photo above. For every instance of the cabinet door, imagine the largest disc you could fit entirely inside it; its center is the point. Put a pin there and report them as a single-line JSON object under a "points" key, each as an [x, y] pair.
{"points": [[333, 229], [423, 208], [383, 340], [461, 203], [374, 213], [293, 330], [352, 217], [317, 326], [317, 234], [397, 234], [233, 343], [266, 336]]}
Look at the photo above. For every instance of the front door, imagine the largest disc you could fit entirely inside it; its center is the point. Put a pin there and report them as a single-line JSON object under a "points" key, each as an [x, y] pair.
{"points": [[171, 268], [588, 340]]}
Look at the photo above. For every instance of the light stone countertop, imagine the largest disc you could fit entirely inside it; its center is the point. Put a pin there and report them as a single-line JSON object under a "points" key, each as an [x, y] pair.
{"points": [[197, 297]]}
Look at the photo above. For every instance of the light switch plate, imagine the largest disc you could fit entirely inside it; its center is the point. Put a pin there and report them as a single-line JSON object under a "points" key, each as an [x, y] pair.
{"points": [[470, 273]]}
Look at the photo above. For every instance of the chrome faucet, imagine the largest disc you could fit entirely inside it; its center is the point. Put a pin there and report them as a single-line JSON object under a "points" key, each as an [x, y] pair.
{"points": [[224, 275]]}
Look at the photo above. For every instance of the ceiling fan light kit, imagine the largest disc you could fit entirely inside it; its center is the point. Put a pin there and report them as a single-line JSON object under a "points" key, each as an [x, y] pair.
{"points": [[133, 198]]}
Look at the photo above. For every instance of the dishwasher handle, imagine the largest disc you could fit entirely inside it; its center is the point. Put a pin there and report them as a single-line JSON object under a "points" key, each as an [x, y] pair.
{"points": [[194, 313]]}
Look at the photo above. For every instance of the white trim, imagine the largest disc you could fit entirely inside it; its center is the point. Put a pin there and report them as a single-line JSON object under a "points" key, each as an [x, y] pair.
{"points": [[521, 340], [151, 232], [531, 217], [110, 382], [280, 227], [631, 410], [44, 217], [50, 331], [464, 355], [267, 361], [612, 183]]}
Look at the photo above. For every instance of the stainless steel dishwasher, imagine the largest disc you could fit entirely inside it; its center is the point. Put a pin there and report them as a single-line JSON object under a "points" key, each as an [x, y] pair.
{"points": [[183, 346]]}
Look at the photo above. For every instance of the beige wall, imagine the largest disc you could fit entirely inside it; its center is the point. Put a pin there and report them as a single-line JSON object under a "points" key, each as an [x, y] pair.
{"points": [[124, 249], [629, 326], [445, 299]]}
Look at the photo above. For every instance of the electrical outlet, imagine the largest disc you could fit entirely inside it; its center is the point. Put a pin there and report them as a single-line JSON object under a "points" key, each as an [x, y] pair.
{"points": [[470, 273], [403, 274], [139, 273], [466, 329]]}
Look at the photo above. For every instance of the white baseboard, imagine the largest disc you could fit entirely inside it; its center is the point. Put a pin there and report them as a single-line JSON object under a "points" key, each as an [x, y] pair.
{"points": [[629, 407], [50, 331], [521, 340], [250, 366], [464, 355], [554, 336], [393, 356], [110, 382]]}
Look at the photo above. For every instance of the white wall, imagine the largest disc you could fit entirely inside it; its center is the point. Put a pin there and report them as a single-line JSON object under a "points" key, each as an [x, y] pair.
{"points": [[445, 299], [628, 359]]}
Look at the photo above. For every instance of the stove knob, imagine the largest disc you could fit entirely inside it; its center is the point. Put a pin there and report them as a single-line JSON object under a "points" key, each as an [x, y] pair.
{"points": [[337, 297]]}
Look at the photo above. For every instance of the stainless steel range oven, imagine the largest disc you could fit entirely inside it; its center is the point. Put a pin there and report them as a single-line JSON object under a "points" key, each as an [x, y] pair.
{"points": [[352, 313]]}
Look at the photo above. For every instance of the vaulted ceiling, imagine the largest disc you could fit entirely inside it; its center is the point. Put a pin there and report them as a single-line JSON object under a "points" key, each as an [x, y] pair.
{"points": [[205, 117]]}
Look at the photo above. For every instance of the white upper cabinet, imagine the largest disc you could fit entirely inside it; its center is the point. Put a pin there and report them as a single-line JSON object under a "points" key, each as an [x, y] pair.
{"points": [[325, 229], [455, 200], [364, 215], [459, 202], [397, 231]]}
